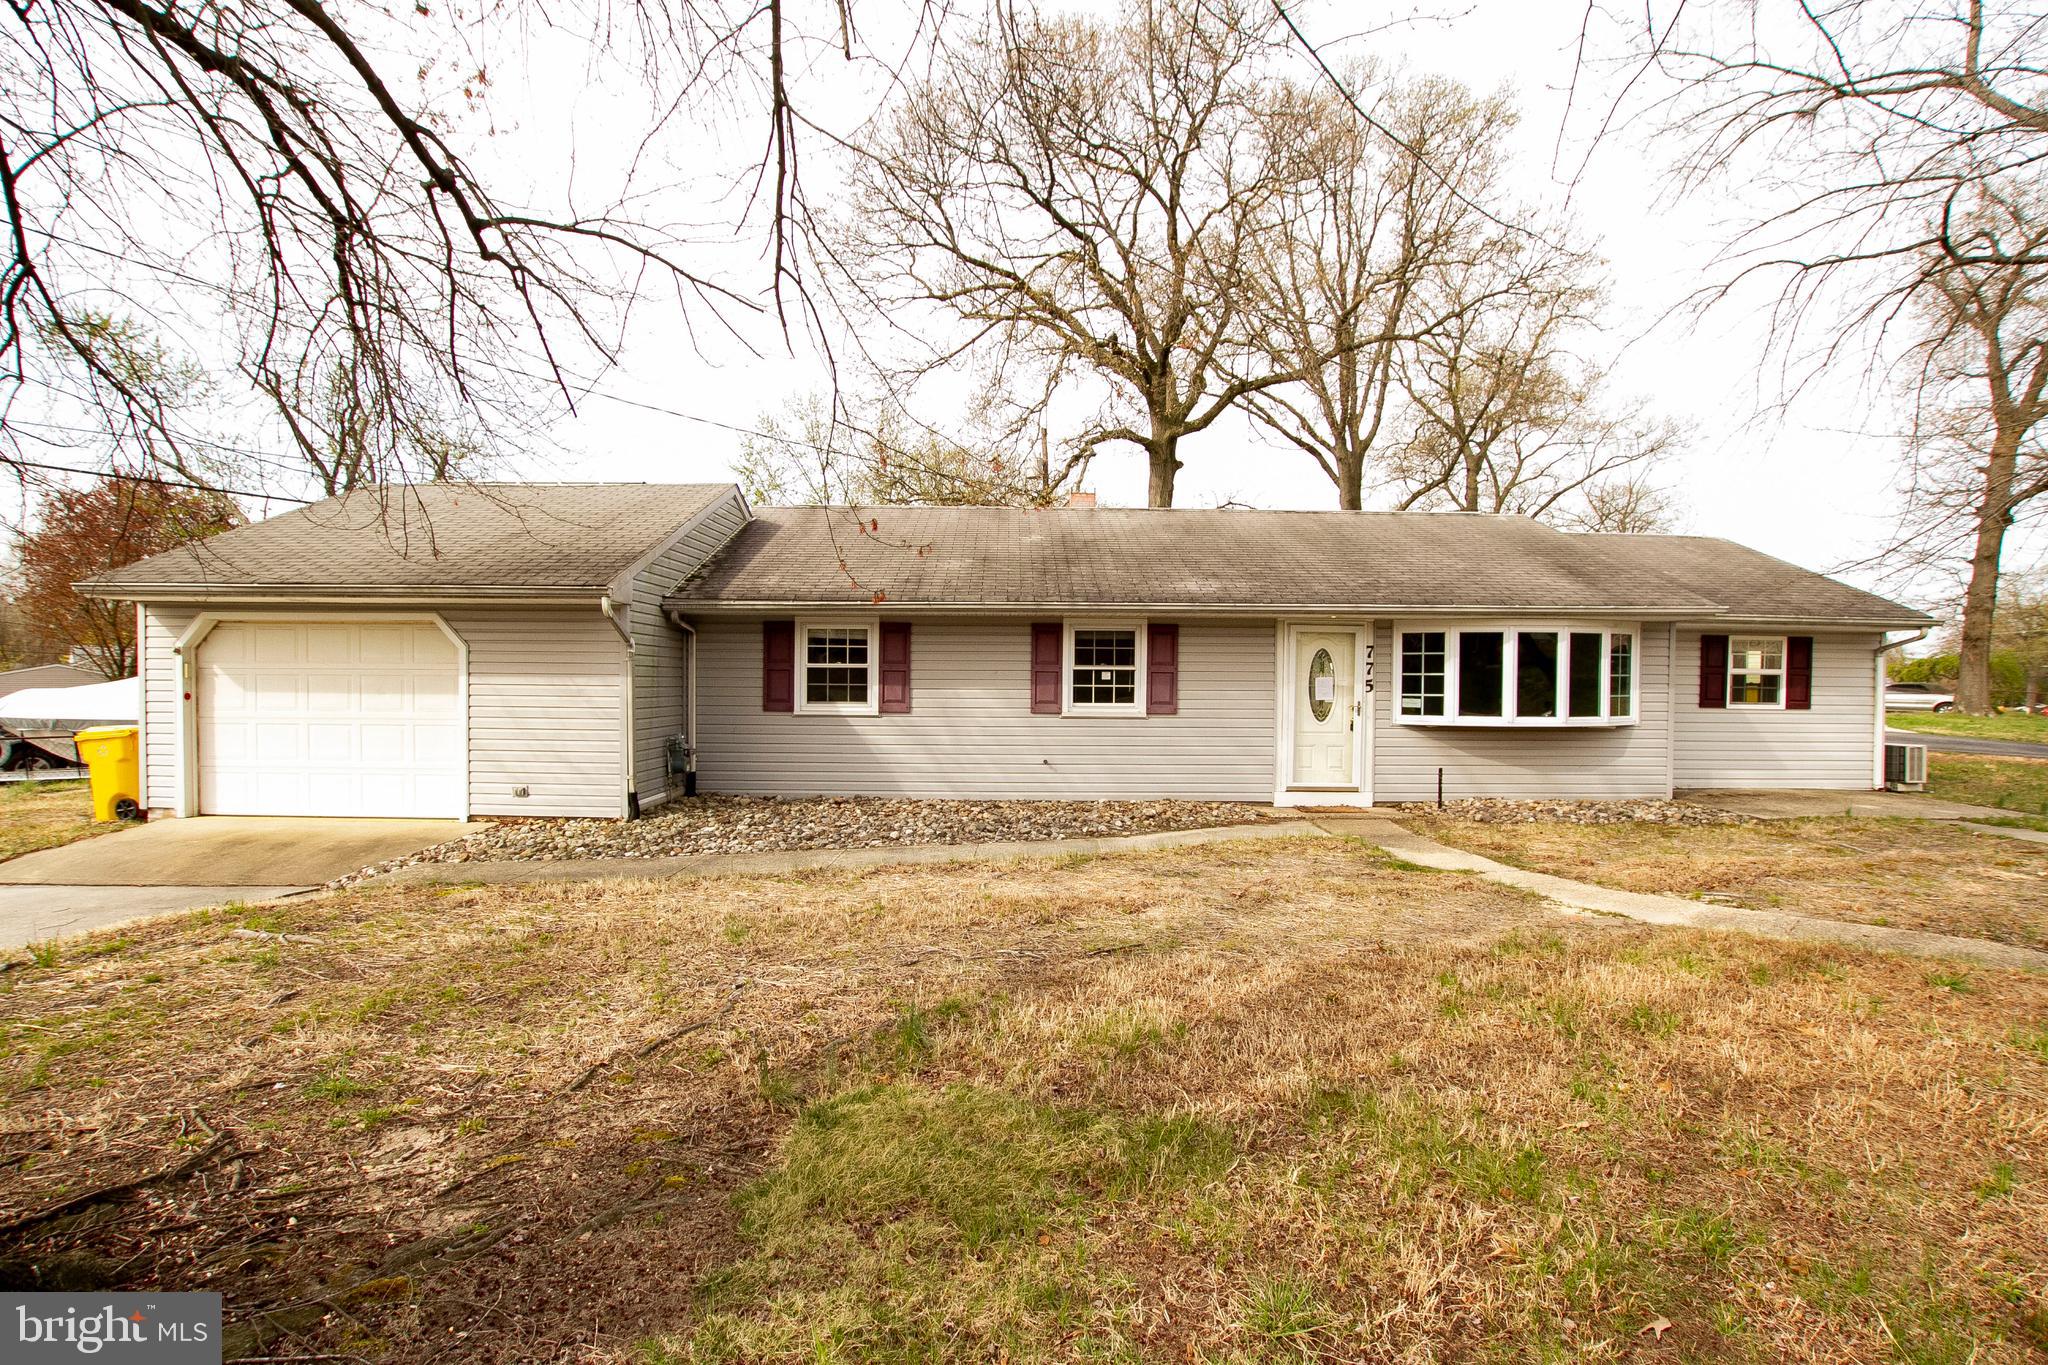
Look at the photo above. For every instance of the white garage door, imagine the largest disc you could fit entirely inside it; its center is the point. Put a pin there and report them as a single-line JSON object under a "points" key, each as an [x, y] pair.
{"points": [[329, 718]]}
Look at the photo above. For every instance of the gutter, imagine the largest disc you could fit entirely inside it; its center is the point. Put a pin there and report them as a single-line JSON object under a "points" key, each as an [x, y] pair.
{"points": [[1884, 647], [629, 768], [677, 620]]}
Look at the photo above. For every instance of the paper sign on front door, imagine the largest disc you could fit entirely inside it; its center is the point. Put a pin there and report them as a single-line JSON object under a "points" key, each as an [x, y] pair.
{"points": [[1326, 688]]}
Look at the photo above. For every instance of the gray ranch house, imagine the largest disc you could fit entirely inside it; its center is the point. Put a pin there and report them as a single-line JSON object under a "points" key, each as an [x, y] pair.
{"points": [[597, 649]]}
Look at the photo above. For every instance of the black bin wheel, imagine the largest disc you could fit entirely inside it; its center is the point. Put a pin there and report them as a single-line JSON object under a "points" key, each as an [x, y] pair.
{"points": [[126, 809]]}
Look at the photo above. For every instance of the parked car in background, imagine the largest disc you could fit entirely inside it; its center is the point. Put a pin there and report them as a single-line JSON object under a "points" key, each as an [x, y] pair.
{"points": [[1905, 696]]}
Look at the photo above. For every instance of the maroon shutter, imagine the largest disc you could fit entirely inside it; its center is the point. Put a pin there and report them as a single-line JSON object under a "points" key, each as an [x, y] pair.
{"points": [[778, 665], [1799, 673], [1162, 671], [1045, 668], [895, 668], [1714, 671]]}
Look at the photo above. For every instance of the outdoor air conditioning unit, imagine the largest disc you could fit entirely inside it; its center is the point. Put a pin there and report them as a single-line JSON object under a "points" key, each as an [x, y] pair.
{"points": [[1905, 767]]}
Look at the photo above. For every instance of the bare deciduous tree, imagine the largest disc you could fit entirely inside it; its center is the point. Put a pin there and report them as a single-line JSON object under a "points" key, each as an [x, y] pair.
{"points": [[1086, 199], [1507, 417], [1341, 286], [281, 166]]}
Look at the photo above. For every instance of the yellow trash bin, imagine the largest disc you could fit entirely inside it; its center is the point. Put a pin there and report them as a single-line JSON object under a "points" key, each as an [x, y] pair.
{"points": [[111, 752]]}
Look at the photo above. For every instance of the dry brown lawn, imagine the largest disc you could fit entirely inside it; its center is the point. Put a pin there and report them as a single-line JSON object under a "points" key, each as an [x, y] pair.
{"points": [[1255, 1101], [35, 815], [1915, 874]]}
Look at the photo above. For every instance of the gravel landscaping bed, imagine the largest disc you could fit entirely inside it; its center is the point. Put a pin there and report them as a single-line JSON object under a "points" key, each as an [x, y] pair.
{"points": [[760, 824], [1493, 811]]}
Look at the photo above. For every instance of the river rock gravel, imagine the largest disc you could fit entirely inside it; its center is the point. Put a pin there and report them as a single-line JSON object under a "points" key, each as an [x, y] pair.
{"points": [[1495, 811], [759, 824]]}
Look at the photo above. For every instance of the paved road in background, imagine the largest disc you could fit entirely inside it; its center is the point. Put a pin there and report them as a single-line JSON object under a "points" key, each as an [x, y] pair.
{"points": [[1956, 744]]}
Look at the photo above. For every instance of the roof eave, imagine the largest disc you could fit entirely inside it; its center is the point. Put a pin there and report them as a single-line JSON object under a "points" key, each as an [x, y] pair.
{"points": [[283, 593], [738, 606]]}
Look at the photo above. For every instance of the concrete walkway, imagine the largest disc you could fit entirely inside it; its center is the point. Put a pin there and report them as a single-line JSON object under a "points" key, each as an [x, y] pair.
{"points": [[1820, 803], [1672, 910], [38, 914], [691, 866]]}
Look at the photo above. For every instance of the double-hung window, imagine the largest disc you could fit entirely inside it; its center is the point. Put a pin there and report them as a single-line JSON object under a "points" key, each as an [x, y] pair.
{"points": [[1104, 668], [1756, 670], [1535, 674], [836, 666]]}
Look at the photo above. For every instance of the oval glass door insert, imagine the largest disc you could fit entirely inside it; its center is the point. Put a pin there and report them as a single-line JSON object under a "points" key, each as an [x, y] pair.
{"points": [[1321, 693]]}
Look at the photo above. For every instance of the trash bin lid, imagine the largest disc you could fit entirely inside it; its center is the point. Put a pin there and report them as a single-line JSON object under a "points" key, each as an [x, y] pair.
{"points": [[108, 732]]}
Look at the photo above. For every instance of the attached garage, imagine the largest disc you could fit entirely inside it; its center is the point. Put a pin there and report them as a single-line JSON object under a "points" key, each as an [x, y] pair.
{"points": [[329, 717]]}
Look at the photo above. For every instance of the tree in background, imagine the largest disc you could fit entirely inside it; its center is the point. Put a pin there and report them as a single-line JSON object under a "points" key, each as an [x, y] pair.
{"points": [[812, 454], [1340, 285], [1506, 416], [81, 533], [2022, 631], [1892, 151], [1087, 199]]}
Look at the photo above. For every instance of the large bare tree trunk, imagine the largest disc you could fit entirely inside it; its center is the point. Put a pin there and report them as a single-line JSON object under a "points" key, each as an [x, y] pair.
{"points": [[1161, 453], [1980, 599], [1351, 483]]}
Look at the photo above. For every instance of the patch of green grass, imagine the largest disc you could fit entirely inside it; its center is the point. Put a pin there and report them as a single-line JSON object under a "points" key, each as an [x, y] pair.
{"points": [[2002, 1181], [899, 1213], [2016, 725], [2033, 1040], [39, 815], [908, 1040], [334, 1084], [2016, 784], [43, 954], [1284, 1310], [1958, 981]]}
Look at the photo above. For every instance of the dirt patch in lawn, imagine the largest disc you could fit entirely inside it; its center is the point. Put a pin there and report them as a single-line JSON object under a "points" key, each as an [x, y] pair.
{"points": [[761, 824], [1914, 874], [1266, 1100], [36, 815]]}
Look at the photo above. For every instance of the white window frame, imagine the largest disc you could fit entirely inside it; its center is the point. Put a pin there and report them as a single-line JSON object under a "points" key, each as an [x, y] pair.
{"points": [[1510, 646], [873, 626], [1780, 673], [1140, 632]]}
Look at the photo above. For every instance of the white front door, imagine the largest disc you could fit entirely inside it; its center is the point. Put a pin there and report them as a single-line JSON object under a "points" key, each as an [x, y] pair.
{"points": [[1325, 715], [329, 718]]}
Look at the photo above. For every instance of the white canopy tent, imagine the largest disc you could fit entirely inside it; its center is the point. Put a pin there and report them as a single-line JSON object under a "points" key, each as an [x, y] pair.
{"points": [[54, 710]]}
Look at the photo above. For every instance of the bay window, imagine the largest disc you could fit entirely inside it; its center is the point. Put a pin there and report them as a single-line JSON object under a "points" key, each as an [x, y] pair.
{"points": [[1537, 674]]}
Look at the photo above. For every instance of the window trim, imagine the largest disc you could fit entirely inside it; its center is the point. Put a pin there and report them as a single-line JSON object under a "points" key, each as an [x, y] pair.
{"points": [[1140, 660], [1509, 630], [1783, 673], [801, 683]]}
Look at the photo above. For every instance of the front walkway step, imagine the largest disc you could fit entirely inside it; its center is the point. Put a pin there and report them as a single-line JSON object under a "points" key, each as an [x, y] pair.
{"points": [[1405, 844], [797, 860]]}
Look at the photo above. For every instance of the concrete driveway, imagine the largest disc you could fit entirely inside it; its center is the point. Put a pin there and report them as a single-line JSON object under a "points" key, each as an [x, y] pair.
{"points": [[170, 865]]}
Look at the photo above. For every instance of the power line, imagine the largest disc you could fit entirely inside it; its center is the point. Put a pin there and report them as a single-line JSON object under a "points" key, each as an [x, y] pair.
{"points": [[9, 460]]}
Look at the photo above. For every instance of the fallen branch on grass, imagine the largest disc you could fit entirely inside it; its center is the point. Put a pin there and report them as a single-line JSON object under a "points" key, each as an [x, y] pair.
{"points": [[107, 1194], [658, 1042]]}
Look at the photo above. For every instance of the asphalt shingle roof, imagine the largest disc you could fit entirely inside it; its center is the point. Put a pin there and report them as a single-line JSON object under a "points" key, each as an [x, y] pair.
{"points": [[435, 536], [1752, 584], [1006, 557]]}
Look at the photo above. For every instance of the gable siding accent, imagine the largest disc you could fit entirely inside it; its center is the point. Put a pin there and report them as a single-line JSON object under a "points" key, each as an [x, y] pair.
{"points": [[545, 710], [661, 697], [973, 733], [1586, 763], [1828, 745]]}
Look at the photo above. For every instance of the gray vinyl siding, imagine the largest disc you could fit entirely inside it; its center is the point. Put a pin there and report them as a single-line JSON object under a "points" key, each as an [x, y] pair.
{"points": [[1831, 745], [546, 710], [661, 652], [1575, 763], [971, 733]]}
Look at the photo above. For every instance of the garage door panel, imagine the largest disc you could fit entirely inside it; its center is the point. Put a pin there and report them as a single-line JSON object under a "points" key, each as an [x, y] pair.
{"points": [[329, 718]]}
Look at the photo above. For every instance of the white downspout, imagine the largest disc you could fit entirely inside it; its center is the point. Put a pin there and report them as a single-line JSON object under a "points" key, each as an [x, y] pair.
{"points": [[1884, 647], [629, 797], [690, 703]]}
